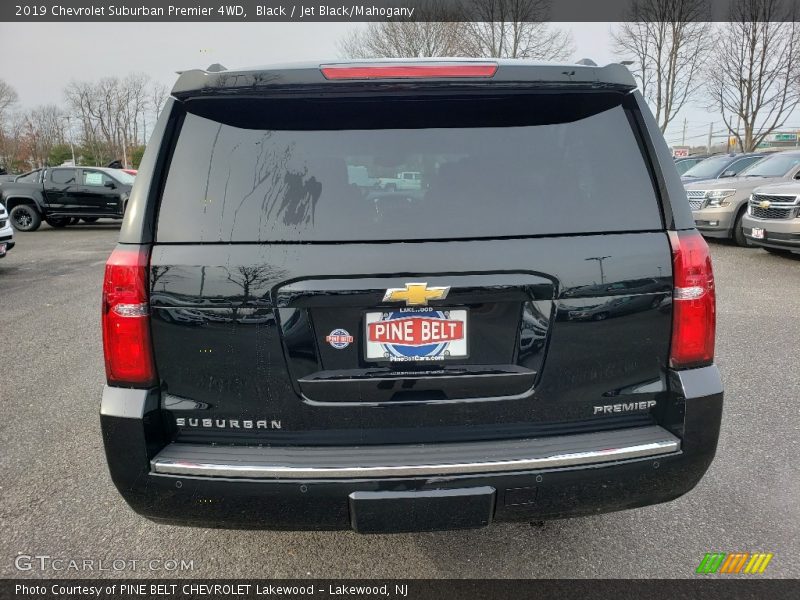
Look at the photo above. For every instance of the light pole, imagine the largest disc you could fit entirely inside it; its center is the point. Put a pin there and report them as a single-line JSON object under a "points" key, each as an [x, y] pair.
{"points": [[600, 260], [71, 147]]}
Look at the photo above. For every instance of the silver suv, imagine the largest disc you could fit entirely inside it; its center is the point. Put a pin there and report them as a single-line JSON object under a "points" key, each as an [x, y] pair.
{"points": [[719, 206], [773, 218]]}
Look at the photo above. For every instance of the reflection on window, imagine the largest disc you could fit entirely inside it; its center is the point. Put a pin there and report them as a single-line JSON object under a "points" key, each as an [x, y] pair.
{"points": [[398, 184]]}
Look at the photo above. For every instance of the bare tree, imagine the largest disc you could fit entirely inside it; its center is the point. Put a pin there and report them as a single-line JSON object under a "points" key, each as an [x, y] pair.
{"points": [[113, 113], [513, 29], [483, 28], [44, 129], [158, 96], [754, 73], [433, 33], [12, 140], [81, 100], [133, 103], [8, 97], [667, 41], [251, 279]]}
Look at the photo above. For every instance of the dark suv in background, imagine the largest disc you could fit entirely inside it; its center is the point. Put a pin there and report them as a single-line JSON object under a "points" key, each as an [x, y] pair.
{"points": [[289, 346], [63, 195]]}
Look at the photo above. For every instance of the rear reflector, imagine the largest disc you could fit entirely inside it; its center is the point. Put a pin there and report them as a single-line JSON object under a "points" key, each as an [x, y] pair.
{"points": [[694, 301], [418, 71], [126, 319]]}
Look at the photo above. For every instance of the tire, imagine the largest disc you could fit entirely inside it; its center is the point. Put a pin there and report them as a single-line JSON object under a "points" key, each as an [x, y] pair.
{"points": [[738, 233], [89, 219], [57, 222], [25, 217]]}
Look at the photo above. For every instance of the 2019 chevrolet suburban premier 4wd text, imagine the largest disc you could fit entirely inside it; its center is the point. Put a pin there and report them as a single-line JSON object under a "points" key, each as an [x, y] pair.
{"points": [[288, 346]]}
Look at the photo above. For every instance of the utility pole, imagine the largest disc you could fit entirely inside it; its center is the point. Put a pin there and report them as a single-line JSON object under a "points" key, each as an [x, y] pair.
{"points": [[71, 146], [710, 131], [683, 140]]}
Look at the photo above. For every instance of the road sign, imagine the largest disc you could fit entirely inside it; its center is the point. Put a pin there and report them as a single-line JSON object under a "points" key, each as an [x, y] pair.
{"points": [[785, 137]]}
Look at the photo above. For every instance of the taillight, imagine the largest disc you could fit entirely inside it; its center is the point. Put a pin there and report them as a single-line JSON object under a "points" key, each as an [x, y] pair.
{"points": [[126, 319], [408, 71], [694, 301]]}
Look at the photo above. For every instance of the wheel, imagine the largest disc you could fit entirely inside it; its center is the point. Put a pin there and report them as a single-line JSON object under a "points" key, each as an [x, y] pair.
{"points": [[25, 217], [57, 221], [89, 219], [738, 232]]}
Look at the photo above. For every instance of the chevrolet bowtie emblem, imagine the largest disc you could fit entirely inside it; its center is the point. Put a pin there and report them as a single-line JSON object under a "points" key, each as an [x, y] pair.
{"points": [[416, 294], [764, 204]]}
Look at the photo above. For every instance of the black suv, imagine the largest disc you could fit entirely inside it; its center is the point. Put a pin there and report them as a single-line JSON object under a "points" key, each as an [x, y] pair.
{"points": [[288, 345], [63, 195]]}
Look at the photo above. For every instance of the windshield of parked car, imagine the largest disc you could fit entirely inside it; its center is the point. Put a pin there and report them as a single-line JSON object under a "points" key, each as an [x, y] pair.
{"points": [[774, 166], [709, 167]]}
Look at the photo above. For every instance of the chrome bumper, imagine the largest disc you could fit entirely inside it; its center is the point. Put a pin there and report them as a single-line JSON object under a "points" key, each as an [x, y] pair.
{"points": [[421, 460]]}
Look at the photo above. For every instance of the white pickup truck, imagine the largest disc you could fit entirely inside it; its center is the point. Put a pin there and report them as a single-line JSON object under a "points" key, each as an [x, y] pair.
{"points": [[405, 180]]}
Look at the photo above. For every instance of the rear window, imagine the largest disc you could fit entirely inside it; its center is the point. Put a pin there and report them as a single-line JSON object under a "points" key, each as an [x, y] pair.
{"points": [[369, 176], [32, 177]]}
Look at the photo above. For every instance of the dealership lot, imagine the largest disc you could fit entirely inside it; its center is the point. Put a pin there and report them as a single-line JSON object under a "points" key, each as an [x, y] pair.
{"points": [[56, 497]]}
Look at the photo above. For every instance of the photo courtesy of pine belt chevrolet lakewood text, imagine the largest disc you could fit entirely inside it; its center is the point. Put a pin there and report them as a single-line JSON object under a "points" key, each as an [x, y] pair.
{"points": [[406, 296]]}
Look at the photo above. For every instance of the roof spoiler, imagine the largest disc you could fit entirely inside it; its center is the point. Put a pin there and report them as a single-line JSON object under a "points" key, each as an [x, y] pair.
{"points": [[585, 73]]}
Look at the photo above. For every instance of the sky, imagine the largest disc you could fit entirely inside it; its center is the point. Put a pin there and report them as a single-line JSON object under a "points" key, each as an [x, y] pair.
{"points": [[88, 51]]}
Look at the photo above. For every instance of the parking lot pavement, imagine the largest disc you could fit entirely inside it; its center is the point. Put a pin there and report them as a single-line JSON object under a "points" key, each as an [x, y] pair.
{"points": [[56, 497]]}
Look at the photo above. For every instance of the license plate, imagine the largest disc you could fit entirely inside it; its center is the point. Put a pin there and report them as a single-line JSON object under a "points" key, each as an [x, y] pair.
{"points": [[415, 335], [2, 250], [757, 233]]}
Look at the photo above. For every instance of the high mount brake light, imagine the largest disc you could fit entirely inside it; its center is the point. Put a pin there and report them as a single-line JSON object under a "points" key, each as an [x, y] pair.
{"points": [[408, 71], [126, 319], [694, 301]]}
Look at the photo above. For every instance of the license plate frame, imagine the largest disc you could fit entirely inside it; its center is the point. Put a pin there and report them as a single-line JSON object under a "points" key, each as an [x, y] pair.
{"points": [[445, 354], [423, 510], [757, 233]]}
